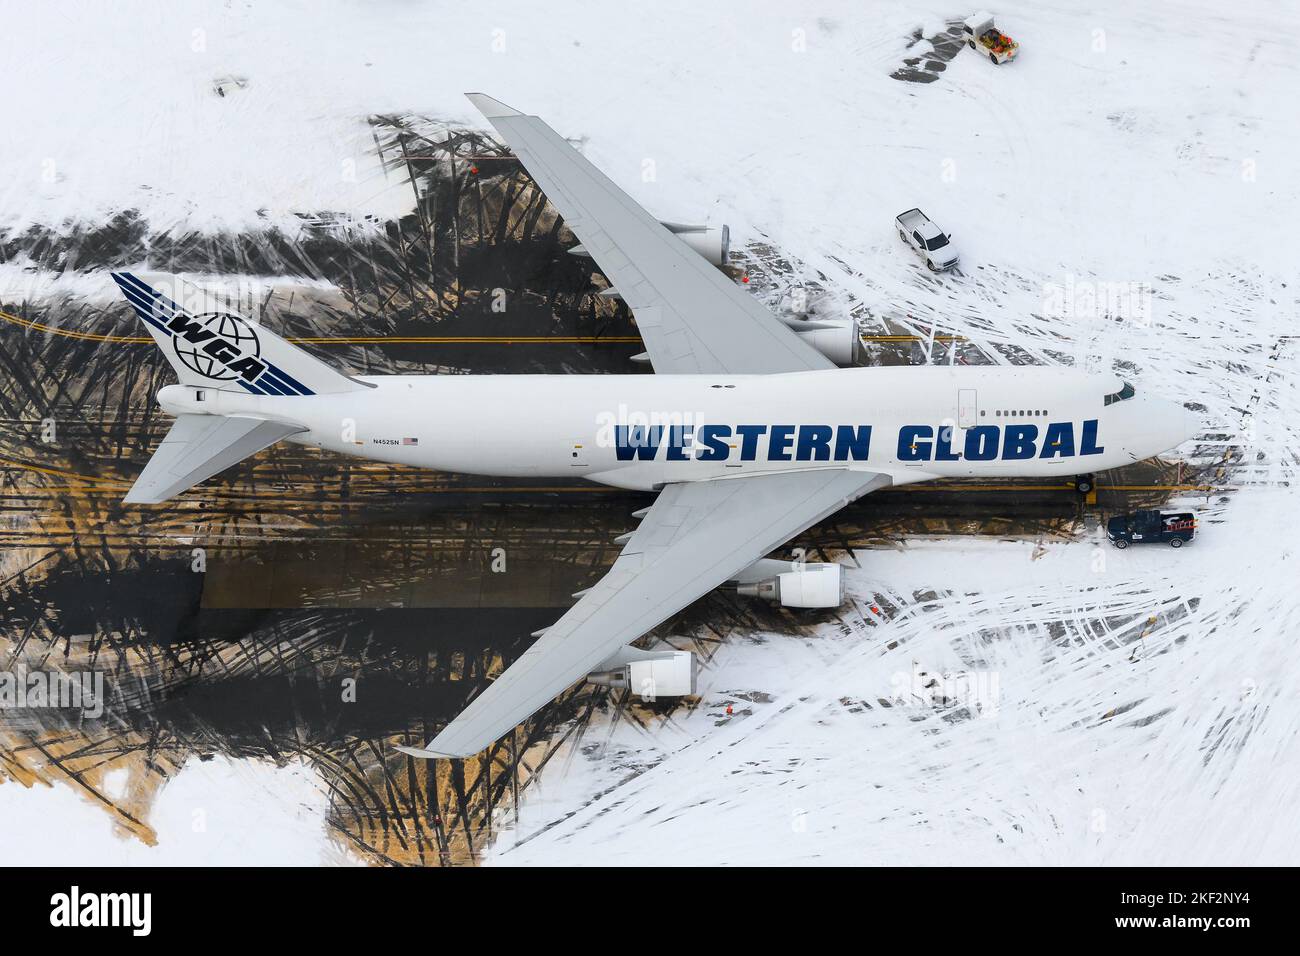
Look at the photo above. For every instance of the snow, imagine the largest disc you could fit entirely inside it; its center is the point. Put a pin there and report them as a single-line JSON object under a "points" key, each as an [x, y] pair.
{"points": [[1187, 769], [218, 813], [23, 280], [1145, 148]]}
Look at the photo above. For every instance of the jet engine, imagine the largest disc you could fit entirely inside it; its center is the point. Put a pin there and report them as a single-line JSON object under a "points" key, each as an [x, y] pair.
{"points": [[809, 585], [712, 242], [837, 339], [649, 674]]}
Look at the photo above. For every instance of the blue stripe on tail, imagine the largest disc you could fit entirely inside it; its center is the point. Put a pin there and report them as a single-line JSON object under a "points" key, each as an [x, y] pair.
{"points": [[157, 310]]}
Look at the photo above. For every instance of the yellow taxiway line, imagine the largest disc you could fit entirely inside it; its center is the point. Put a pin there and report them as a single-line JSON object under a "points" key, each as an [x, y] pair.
{"points": [[35, 326], [59, 473], [588, 489]]}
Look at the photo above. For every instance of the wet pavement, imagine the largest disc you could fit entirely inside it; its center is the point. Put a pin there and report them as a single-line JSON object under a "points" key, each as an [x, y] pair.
{"points": [[932, 54]]}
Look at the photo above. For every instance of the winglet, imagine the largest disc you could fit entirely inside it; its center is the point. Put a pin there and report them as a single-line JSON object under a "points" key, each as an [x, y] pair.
{"points": [[420, 754], [489, 107]]}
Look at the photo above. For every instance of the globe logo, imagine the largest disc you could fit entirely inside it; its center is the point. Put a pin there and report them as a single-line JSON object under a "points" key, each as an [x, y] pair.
{"points": [[231, 328]]}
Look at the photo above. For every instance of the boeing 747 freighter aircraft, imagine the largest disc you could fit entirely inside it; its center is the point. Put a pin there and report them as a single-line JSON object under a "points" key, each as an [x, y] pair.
{"points": [[748, 432]]}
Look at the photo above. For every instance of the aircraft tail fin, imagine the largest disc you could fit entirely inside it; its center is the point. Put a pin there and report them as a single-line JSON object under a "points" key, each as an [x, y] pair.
{"points": [[200, 446], [213, 347]]}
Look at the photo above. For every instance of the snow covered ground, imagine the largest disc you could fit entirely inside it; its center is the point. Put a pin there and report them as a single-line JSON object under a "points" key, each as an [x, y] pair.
{"points": [[1115, 709], [220, 813], [1143, 148]]}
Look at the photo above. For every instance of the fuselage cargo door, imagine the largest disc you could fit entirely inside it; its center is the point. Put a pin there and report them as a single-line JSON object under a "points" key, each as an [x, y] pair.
{"points": [[967, 408]]}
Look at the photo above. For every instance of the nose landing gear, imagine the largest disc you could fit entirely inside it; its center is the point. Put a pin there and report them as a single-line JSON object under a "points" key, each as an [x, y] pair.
{"points": [[1084, 484]]}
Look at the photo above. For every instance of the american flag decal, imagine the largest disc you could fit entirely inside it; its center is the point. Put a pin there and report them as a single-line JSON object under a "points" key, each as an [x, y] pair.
{"points": [[410, 441]]}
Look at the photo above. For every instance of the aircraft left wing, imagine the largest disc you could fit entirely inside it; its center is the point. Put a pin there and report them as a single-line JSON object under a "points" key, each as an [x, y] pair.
{"points": [[696, 536], [693, 319]]}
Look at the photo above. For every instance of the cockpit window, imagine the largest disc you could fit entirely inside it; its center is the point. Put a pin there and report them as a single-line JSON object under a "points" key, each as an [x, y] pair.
{"points": [[1128, 391]]}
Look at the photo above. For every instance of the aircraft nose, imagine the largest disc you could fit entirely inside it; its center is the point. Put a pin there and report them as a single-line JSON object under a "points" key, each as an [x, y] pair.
{"points": [[1170, 423]]}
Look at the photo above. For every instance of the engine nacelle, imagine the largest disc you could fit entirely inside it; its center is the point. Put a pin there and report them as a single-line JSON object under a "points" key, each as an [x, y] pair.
{"points": [[837, 339], [649, 674], [712, 242], [812, 585]]}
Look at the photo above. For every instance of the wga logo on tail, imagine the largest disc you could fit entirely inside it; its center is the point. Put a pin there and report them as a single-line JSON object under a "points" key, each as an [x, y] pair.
{"points": [[217, 345]]}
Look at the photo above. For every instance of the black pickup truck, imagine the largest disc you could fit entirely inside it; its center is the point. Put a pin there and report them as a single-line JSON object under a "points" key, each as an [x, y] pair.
{"points": [[1152, 527]]}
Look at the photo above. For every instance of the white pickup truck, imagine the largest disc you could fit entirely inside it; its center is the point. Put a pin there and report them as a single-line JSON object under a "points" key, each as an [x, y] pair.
{"points": [[916, 229]]}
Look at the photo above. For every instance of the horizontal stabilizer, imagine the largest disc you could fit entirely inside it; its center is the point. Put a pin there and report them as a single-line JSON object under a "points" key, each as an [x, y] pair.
{"points": [[200, 446]]}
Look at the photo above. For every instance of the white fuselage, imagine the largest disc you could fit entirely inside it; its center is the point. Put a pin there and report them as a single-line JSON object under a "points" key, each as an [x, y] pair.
{"points": [[641, 431]]}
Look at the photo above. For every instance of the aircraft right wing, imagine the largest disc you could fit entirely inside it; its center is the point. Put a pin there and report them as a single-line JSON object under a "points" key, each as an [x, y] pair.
{"points": [[696, 536], [692, 318]]}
